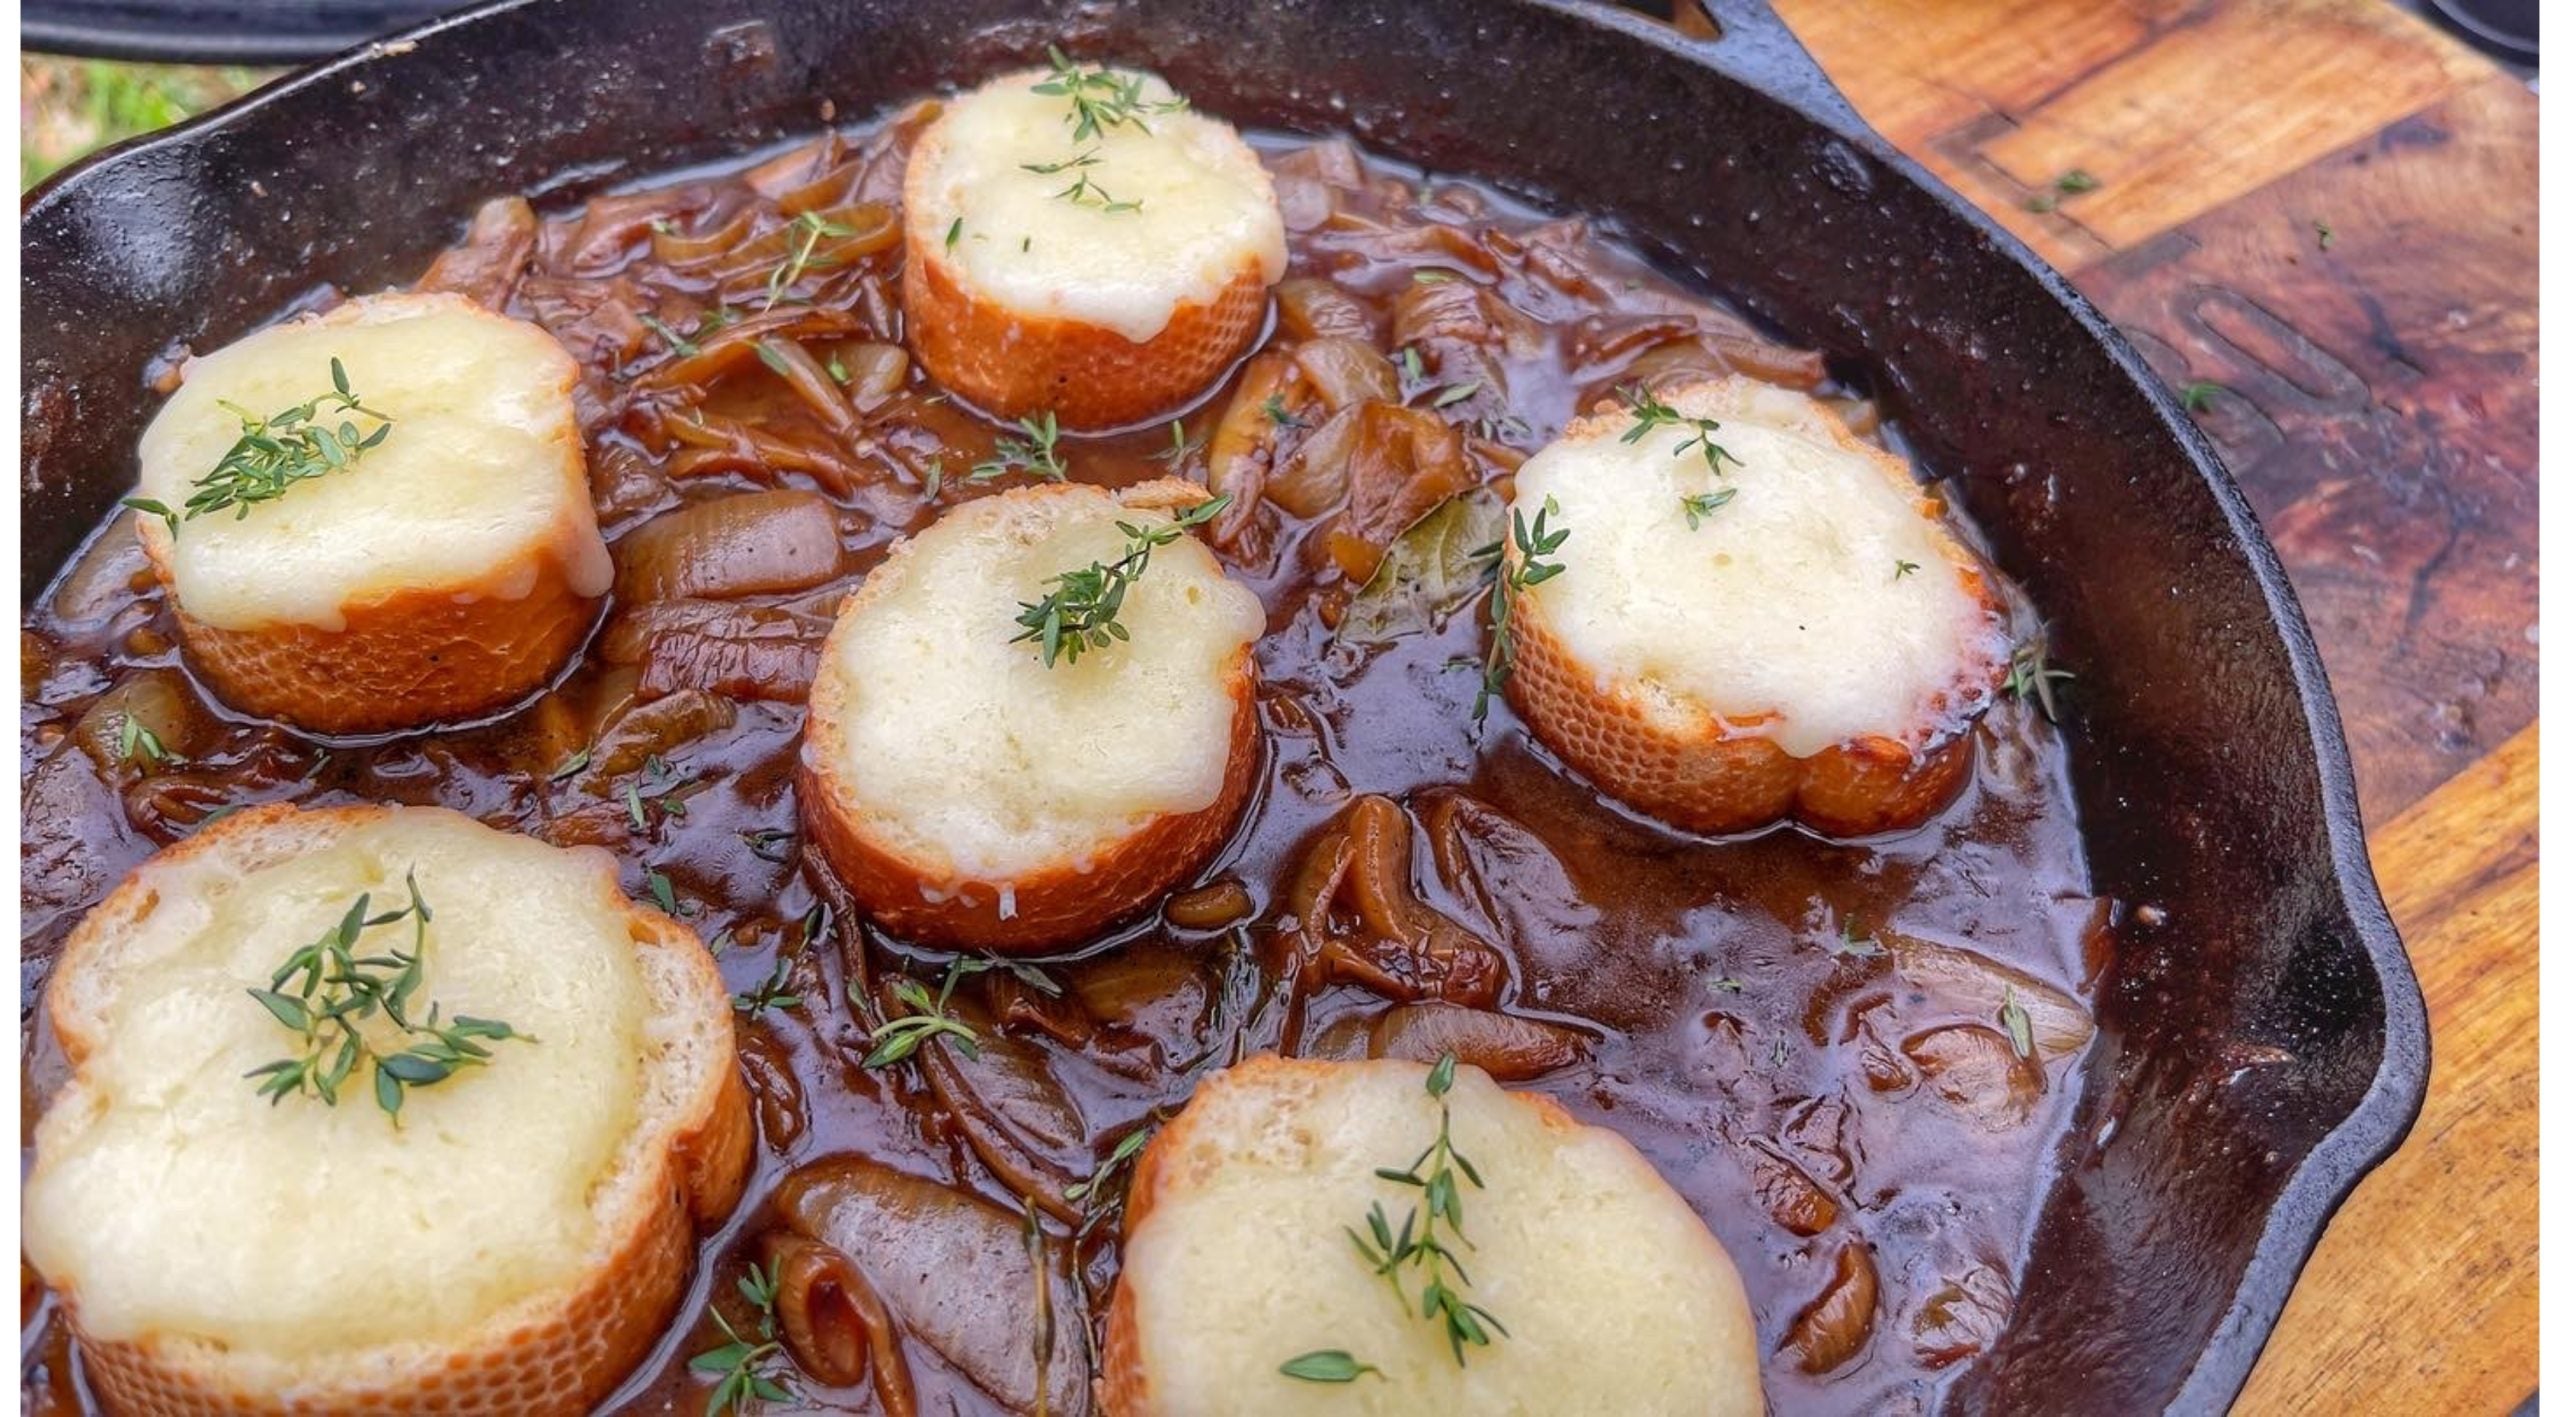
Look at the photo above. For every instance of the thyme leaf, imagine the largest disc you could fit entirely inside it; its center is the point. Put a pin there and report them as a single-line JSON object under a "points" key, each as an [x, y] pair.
{"points": [[1035, 452], [1417, 1244], [744, 1364], [338, 988], [1099, 99], [1083, 614], [1509, 583], [278, 451], [2032, 675], [1326, 1365]]}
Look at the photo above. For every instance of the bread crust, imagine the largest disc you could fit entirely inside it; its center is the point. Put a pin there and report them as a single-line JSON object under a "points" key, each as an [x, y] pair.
{"points": [[1013, 364], [552, 1353], [417, 656], [1685, 764], [1059, 902]]}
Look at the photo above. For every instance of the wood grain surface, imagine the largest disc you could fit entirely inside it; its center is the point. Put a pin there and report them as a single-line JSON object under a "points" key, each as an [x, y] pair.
{"points": [[2319, 215]]}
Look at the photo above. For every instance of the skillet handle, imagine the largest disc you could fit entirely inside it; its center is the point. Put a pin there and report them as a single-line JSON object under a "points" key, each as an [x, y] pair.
{"points": [[1744, 38]]}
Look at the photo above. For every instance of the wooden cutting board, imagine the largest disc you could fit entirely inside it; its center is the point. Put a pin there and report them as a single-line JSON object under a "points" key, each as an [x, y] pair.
{"points": [[2319, 216]]}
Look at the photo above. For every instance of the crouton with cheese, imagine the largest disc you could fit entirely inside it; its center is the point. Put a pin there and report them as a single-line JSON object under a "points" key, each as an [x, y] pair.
{"points": [[1756, 616], [1593, 1286], [978, 781], [415, 546], [1080, 242], [404, 1227]]}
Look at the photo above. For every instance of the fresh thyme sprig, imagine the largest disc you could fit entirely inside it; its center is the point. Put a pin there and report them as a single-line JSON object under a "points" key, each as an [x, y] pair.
{"points": [[1416, 1244], [1652, 413], [744, 1364], [2032, 675], [897, 1040], [339, 988], [1092, 1196], [1098, 99], [1035, 452], [1083, 614], [775, 991], [1509, 582], [810, 228], [276, 452]]}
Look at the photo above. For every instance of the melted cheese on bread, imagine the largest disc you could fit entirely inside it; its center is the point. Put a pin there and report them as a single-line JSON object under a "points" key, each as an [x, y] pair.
{"points": [[1612, 1295], [482, 473], [962, 751], [172, 1201], [1194, 207], [1818, 604]]}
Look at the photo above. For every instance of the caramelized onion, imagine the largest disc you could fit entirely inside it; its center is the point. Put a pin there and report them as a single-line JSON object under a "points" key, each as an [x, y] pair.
{"points": [[657, 727], [782, 1108], [684, 250], [1344, 372], [872, 372], [484, 268], [955, 1274], [1834, 1327], [1401, 949], [736, 651], [155, 701], [1240, 449], [1977, 1071], [1508, 1047], [1318, 309], [104, 576], [807, 378], [1791, 1197], [1963, 982], [830, 1319], [1211, 907], [1401, 463], [731, 346], [749, 544]]}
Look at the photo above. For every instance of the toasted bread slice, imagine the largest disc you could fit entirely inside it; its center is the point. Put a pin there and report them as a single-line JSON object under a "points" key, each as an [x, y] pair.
{"points": [[969, 792], [511, 1241], [1793, 632], [447, 571], [1610, 1294], [1104, 274]]}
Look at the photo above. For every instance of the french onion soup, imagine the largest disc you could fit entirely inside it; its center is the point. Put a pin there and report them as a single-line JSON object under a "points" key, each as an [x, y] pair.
{"points": [[1313, 791]]}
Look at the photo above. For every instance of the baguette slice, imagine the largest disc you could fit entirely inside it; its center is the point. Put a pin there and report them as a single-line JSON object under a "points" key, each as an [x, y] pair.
{"points": [[1817, 645], [1106, 307], [448, 571], [1613, 1297], [514, 1244], [969, 794]]}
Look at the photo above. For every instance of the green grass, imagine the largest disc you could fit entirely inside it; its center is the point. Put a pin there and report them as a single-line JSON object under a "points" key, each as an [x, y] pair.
{"points": [[68, 108]]}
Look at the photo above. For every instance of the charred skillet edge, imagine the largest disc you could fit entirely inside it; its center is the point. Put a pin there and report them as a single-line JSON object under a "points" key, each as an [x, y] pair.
{"points": [[1757, 51]]}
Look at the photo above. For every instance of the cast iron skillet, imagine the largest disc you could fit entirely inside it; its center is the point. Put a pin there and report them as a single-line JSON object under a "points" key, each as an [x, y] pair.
{"points": [[2262, 1044]]}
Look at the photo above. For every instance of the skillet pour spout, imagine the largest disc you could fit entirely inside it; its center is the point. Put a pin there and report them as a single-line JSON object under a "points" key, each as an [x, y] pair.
{"points": [[2261, 1043]]}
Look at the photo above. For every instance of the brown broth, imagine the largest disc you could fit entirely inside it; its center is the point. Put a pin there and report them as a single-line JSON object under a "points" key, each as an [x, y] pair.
{"points": [[1735, 1034]]}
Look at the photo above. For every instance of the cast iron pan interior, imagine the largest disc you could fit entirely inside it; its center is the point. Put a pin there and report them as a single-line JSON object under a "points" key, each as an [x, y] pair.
{"points": [[2262, 1044]]}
